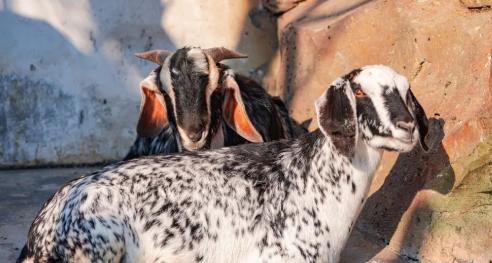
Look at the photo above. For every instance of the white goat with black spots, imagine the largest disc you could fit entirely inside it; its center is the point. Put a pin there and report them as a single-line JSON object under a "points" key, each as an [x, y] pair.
{"points": [[286, 201]]}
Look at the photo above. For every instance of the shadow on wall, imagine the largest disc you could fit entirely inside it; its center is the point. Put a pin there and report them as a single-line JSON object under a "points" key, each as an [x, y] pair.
{"points": [[35, 113], [134, 29], [397, 203], [61, 104], [314, 48]]}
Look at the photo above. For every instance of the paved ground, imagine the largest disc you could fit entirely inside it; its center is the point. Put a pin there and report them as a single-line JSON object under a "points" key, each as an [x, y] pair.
{"points": [[23, 193]]}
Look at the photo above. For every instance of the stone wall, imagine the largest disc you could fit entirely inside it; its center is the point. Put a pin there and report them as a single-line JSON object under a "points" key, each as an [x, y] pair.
{"points": [[430, 207], [69, 81]]}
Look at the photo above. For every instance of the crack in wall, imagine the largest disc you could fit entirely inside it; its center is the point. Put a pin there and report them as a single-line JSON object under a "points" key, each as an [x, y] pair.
{"points": [[479, 9], [418, 69], [475, 6]]}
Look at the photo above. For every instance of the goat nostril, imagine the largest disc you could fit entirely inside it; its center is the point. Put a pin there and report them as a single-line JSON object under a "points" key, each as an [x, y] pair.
{"points": [[408, 127]]}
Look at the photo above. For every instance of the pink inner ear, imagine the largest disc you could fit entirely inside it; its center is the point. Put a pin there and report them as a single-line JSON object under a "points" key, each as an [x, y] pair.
{"points": [[235, 114], [153, 115]]}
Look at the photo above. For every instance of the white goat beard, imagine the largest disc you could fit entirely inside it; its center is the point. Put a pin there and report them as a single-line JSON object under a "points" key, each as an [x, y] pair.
{"points": [[391, 144]]}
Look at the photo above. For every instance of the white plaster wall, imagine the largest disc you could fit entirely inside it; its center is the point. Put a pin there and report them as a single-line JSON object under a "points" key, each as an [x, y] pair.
{"points": [[69, 80]]}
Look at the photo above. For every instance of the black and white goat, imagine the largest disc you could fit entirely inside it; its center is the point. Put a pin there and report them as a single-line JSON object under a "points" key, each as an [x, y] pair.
{"points": [[285, 201], [186, 100]]}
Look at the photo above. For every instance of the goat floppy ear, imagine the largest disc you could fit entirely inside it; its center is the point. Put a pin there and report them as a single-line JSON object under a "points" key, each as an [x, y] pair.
{"points": [[234, 111], [153, 113], [337, 116], [420, 117]]}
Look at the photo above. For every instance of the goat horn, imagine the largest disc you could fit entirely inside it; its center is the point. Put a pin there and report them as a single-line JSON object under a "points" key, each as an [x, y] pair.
{"points": [[157, 56], [220, 53]]}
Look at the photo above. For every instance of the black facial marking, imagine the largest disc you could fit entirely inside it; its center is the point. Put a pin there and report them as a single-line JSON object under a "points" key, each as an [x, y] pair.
{"points": [[189, 85], [366, 109], [158, 82], [350, 76], [396, 106]]}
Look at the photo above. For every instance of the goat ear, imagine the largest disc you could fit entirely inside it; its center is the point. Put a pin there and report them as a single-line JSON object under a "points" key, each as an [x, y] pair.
{"points": [[153, 113], [337, 117], [234, 111], [421, 119]]}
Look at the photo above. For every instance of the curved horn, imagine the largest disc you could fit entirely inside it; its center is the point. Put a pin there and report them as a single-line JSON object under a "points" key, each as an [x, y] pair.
{"points": [[157, 56], [220, 53]]}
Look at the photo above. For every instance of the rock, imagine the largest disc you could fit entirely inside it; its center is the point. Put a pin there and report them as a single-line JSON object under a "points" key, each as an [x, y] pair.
{"points": [[434, 206]]}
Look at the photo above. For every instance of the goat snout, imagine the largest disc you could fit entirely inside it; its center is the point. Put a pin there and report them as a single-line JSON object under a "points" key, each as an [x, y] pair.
{"points": [[195, 136], [406, 126]]}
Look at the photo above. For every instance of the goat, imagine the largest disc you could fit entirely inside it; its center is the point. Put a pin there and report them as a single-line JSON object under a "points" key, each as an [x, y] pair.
{"points": [[201, 93], [285, 201]]}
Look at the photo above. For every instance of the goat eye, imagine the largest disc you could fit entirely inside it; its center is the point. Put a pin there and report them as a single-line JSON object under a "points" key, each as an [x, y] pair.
{"points": [[359, 93]]}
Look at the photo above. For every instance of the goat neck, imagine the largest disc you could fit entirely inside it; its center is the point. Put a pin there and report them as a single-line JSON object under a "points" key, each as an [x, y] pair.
{"points": [[330, 187]]}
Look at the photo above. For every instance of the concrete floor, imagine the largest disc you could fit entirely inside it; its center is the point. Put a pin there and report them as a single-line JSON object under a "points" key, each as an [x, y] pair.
{"points": [[23, 193]]}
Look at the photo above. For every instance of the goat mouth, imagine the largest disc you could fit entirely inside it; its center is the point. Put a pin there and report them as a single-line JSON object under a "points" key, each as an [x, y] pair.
{"points": [[195, 146], [191, 146], [406, 141]]}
